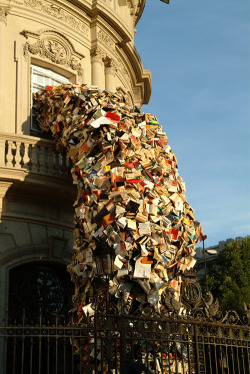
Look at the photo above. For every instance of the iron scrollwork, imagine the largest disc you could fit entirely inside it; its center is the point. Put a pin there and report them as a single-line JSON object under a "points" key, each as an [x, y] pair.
{"points": [[192, 305], [205, 307]]}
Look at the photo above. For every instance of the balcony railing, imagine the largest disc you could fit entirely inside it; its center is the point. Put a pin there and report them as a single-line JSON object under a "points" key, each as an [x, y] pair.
{"points": [[27, 155]]}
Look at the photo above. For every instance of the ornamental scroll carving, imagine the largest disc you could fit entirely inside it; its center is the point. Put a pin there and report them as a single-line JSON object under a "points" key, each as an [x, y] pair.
{"points": [[106, 39], [109, 63], [55, 11], [127, 95], [55, 47], [98, 54], [4, 11]]}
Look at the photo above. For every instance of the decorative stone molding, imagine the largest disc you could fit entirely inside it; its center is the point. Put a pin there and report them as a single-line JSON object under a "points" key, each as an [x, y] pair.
{"points": [[129, 98], [127, 95], [54, 46], [122, 67], [139, 9], [4, 186], [110, 64], [106, 39], [138, 95], [55, 11], [123, 74], [4, 11], [97, 54]]}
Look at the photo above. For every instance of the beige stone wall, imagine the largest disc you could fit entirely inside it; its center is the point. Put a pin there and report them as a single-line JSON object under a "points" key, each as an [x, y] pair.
{"points": [[87, 41]]}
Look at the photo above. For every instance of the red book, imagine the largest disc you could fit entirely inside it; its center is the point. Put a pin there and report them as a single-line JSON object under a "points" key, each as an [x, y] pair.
{"points": [[85, 194], [136, 181], [174, 183], [113, 117], [129, 165], [174, 233], [85, 147]]}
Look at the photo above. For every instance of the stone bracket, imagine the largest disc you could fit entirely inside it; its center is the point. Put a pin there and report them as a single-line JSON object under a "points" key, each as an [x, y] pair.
{"points": [[4, 11], [4, 186]]}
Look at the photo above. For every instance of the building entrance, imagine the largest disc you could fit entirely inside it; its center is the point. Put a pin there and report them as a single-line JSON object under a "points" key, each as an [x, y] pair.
{"points": [[38, 287], [39, 295]]}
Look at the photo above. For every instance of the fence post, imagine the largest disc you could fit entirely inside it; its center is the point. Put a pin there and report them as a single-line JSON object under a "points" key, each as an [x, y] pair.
{"points": [[197, 350], [124, 363]]}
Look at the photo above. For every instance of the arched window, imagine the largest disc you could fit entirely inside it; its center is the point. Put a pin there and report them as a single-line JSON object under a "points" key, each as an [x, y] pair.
{"points": [[39, 287]]}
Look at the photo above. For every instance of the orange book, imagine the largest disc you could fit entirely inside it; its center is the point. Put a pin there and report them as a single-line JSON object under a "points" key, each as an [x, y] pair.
{"points": [[147, 260], [107, 220]]}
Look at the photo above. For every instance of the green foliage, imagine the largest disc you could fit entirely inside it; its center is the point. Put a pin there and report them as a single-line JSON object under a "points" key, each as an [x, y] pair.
{"points": [[229, 277]]}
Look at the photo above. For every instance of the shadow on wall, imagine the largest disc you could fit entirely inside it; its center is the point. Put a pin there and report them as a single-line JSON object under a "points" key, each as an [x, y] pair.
{"points": [[37, 196]]}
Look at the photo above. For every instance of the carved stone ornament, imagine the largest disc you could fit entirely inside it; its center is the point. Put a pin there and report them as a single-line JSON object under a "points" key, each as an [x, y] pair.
{"points": [[55, 47], [97, 54], [127, 95], [121, 66], [4, 11], [106, 39], [110, 64], [55, 11]]}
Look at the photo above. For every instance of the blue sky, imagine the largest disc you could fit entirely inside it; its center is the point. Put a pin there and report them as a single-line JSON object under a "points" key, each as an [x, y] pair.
{"points": [[199, 55]]}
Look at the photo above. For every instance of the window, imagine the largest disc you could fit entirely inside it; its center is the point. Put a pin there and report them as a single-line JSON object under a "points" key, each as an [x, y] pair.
{"points": [[40, 78], [45, 287]]}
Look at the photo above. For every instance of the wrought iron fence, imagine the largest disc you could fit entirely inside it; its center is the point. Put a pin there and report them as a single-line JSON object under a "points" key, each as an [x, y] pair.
{"points": [[197, 340], [125, 344]]}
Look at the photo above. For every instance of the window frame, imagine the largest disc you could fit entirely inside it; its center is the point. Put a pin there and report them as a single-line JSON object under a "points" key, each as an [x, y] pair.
{"points": [[61, 76]]}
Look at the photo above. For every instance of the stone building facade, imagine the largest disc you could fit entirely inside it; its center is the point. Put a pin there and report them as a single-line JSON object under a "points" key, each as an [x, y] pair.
{"points": [[51, 42]]}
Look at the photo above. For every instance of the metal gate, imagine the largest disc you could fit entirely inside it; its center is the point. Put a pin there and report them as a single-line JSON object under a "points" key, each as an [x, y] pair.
{"points": [[125, 344], [196, 339]]}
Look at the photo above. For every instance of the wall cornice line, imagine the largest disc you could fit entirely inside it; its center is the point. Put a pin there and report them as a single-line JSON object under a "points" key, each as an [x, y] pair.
{"points": [[62, 12]]}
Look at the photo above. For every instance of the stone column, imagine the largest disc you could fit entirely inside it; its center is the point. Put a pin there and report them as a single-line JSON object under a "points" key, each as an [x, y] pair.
{"points": [[4, 11], [97, 70], [110, 76]]}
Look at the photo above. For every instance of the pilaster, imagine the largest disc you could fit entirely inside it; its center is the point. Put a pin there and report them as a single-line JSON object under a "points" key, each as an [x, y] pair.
{"points": [[4, 11]]}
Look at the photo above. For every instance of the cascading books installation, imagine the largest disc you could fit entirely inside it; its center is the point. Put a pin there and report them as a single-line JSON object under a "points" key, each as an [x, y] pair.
{"points": [[130, 208]]}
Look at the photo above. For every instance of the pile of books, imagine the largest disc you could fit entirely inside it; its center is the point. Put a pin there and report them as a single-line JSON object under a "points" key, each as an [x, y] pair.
{"points": [[131, 214]]}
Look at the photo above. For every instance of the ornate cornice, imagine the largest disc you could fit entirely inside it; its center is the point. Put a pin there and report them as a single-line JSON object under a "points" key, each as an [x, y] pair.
{"points": [[55, 11], [4, 11], [54, 46], [139, 10]]}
